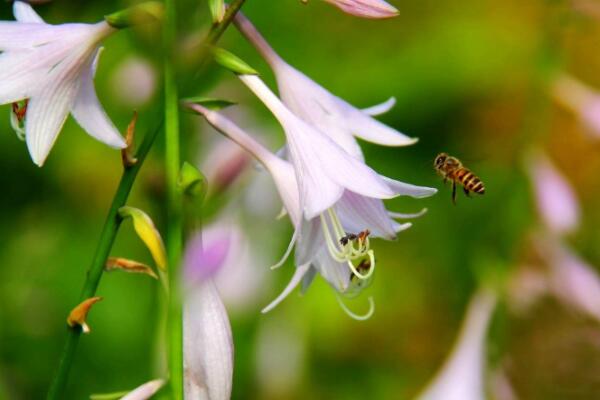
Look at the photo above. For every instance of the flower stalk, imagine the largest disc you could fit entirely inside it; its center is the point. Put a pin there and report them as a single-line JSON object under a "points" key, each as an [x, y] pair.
{"points": [[107, 238], [174, 194]]}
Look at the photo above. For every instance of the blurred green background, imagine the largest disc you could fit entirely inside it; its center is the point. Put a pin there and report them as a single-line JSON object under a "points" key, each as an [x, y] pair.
{"points": [[470, 78]]}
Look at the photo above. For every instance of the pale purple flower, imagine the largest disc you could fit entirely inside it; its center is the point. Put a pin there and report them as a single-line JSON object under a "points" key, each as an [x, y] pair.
{"points": [[462, 375], [570, 278], [134, 81], [145, 391], [366, 8], [53, 66], [333, 116], [223, 164], [322, 167], [555, 198], [317, 240], [580, 99], [207, 338]]}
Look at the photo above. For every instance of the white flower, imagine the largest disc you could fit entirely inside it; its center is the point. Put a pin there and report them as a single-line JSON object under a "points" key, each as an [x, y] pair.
{"points": [[318, 240], [323, 169], [462, 376], [330, 114], [53, 66], [207, 338], [366, 8]]}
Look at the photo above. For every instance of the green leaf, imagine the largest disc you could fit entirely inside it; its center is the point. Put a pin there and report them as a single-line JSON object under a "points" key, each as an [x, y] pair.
{"points": [[209, 102], [143, 13], [217, 10], [192, 181], [108, 396], [232, 62]]}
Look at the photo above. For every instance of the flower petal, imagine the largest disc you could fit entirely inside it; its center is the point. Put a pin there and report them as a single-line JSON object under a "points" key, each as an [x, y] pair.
{"points": [[335, 273], [208, 345], [145, 391], [46, 114], [381, 108], [18, 80], [296, 278], [366, 8], [367, 128], [23, 12], [320, 163], [281, 171], [358, 213], [88, 111], [406, 189], [310, 239]]}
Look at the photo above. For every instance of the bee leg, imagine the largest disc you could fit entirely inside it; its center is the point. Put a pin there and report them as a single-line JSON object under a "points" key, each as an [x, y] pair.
{"points": [[466, 192], [454, 192]]}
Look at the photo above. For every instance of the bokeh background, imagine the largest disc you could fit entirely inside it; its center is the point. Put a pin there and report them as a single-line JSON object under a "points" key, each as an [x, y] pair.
{"points": [[473, 78]]}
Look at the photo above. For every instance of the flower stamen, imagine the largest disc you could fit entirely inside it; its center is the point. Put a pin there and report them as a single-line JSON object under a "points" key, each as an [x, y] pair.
{"points": [[348, 247], [355, 316]]}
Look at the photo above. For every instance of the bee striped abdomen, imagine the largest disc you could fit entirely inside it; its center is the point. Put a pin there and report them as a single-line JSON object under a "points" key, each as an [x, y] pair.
{"points": [[470, 181]]}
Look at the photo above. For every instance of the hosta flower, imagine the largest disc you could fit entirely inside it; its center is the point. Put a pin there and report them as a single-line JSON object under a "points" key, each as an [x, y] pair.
{"points": [[330, 114], [462, 376], [555, 198], [53, 66], [366, 8], [207, 339], [323, 169], [323, 243], [580, 99], [570, 278]]}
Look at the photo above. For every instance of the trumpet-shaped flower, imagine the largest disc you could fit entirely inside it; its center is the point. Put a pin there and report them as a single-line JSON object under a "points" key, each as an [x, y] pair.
{"points": [[323, 169], [53, 66], [314, 104], [376, 9], [461, 377], [322, 243]]}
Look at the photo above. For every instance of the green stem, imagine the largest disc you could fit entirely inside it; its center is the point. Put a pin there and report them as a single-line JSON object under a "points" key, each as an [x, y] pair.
{"points": [[107, 238], [174, 196], [174, 208]]}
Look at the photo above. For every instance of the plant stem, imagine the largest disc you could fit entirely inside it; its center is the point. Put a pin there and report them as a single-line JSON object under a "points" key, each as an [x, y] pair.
{"points": [[174, 208], [174, 196], [107, 238]]}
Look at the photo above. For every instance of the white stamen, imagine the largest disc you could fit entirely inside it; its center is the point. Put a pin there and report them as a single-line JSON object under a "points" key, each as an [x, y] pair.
{"points": [[357, 317], [288, 251]]}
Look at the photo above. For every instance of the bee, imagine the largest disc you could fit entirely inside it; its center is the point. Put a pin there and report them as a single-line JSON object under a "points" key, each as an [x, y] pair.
{"points": [[452, 169]]}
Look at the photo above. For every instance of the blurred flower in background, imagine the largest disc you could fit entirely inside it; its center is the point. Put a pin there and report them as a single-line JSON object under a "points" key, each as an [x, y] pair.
{"points": [[133, 82], [581, 100], [463, 375]]}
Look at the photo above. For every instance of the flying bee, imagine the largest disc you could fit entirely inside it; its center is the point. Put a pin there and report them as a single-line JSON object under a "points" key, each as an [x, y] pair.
{"points": [[452, 169]]}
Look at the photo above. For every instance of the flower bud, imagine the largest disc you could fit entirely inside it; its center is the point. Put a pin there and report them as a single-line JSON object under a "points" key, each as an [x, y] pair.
{"points": [[137, 15], [366, 8]]}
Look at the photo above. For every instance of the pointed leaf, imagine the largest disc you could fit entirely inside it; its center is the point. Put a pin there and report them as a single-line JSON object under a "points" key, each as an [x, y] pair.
{"points": [[232, 62], [146, 230], [217, 10], [192, 182]]}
